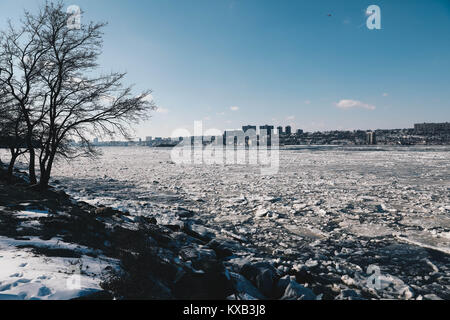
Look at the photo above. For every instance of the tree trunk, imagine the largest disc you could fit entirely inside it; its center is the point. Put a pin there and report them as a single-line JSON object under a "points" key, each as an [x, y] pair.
{"points": [[46, 172], [43, 182], [32, 163], [32, 169], [11, 166]]}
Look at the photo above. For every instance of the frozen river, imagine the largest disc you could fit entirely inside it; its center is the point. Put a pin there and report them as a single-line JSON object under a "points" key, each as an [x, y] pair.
{"points": [[402, 191]]}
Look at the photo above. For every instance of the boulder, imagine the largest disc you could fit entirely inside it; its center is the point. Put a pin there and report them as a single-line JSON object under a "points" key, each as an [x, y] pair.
{"points": [[244, 288], [302, 274], [202, 259], [263, 275], [145, 220], [203, 286], [198, 231], [105, 212], [293, 290], [223, 248], [185, 213]]}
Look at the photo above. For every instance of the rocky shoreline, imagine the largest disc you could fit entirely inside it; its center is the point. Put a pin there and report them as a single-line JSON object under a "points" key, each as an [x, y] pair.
{"points": [[188, 260], [155, 262]]}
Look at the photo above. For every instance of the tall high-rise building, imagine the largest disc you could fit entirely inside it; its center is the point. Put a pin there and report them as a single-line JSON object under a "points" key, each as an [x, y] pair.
{"points": [[370, 137], [288, 130], [248, 127], [267, 128], [280, 130]]}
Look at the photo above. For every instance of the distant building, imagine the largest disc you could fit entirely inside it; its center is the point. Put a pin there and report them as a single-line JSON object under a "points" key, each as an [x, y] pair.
{"points": [[248, 127], [233, 137], [371, 138], [148, 139], [95, 140], [299, 132], [432, 128], [280, 130], [267, 128], [288, 130]]}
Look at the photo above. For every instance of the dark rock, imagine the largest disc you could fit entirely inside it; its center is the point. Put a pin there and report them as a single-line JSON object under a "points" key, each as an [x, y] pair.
{"points": [[203, 286], [61, 194], [140, 284], [244, 287], [293, 290], [145, 220], [162, 235], [105, 211], [202, 259], [223, 248], [185, 239], [185, 213], [303, 275], [173, 227], [99, 295], [281, 286], [198, 231], [263, 275], [84, 206], [125, 239], [52, 252]]}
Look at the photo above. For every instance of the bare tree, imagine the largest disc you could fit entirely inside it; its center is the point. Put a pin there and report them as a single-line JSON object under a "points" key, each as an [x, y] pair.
{"points": [[21, 51], [64, 98]]}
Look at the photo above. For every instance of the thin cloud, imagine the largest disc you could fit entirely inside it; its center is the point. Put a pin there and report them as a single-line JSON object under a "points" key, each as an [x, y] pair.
{"points": [[385, 94], [234, 108], [347, 104]]}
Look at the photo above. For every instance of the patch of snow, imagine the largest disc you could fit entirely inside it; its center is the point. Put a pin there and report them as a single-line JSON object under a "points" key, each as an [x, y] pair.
{"points": [[25, 275]]}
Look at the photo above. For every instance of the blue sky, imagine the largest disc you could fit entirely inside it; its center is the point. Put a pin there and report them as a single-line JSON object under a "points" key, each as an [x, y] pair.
{"points": [[236, 62]]}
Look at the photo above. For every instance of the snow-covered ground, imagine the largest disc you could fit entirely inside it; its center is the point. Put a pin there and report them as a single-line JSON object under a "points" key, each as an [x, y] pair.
{"points": [[25, 275]]}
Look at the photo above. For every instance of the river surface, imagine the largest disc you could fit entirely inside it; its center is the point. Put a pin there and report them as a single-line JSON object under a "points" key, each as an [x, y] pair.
{"points": [[363, 191]]}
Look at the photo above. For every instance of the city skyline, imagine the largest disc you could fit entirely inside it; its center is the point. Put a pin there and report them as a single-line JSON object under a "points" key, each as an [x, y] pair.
{"points": [[287, 130], [315, 66]]}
